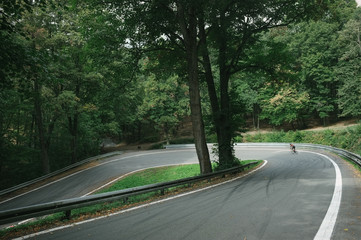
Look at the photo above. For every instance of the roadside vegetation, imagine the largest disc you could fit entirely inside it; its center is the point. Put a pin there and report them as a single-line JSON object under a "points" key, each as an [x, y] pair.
{"points": [[77, 73], [348, 138], [158, 175], [141, 178]]}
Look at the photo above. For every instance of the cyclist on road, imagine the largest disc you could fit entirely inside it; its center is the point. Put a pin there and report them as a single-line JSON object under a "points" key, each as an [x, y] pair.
{"points": [[293, 147]]}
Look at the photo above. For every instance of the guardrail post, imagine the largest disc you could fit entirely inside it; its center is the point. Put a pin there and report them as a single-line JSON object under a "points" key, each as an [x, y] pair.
{"points": [[68, 214], [162, 191], [43, 209]]}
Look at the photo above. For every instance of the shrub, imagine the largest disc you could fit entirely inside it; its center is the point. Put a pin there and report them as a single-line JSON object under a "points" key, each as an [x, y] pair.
{"points": [[157, 146], [348, 139], [182, 141]]}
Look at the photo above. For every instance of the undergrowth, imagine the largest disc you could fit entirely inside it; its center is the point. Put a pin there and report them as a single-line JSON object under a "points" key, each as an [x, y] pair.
{"points": [[348, 139]]}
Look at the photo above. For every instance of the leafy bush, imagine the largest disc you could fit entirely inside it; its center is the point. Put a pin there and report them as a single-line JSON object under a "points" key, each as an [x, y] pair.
{"points": [[182, 141], [212, 138], [157, 146], [149, 139], [348, 139], [19, 164]]}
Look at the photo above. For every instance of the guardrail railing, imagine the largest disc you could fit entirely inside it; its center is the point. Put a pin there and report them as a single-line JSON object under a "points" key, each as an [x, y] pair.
{"points": [[350, 155], [67, 205], [52, 174]]}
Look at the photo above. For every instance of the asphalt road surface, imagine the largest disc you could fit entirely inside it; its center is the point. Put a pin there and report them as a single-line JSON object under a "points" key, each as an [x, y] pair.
{"points": [[81, 183], [294, 196]]}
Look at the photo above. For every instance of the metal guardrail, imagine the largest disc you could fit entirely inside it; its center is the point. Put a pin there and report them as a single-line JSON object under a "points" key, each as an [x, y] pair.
{"points": [[350, 155], [67, 205], [52, 174]]}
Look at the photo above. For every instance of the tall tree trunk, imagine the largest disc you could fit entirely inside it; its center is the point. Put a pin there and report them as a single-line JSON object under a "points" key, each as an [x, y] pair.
{"points": [[2, 144], [226, 156], [221, 111], [189, 32], [74, 124], [209, 77], [73, 127], [41, 129]]}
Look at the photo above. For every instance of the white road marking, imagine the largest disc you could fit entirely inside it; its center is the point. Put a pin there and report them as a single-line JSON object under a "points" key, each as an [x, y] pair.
{"points": [[138, 207], [328, 223], [127, 174], [324, 233], [118, 159]]}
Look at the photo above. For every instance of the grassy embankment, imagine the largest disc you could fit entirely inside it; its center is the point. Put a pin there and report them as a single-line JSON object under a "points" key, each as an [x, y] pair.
{"points": [[141, 178], [348, 138], [157, 175]]}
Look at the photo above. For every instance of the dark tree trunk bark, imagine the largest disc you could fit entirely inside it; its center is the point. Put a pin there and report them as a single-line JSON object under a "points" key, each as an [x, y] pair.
{"points": [[226, 156], [2, 144], [197, 121], [41, 130], [221, 111], [73, 127], [209, 78], [189, 32]]}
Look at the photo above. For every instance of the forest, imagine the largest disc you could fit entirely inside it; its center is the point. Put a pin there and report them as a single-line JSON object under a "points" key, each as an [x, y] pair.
{"points": [[74, 73]]}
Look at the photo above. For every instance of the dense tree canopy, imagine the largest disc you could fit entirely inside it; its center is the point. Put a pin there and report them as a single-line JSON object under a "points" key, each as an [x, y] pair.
{"points": [[348, 69], [76, 72]]}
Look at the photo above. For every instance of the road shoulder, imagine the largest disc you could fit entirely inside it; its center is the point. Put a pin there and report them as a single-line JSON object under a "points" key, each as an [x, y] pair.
{"points": [[348, 224]]}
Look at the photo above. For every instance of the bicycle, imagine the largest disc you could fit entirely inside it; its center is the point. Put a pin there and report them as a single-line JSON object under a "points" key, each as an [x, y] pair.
{"points": [[293, 148]]}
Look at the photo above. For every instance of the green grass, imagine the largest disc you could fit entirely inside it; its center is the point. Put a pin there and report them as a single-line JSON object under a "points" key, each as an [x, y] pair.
{"points": [[348, 139], [355, 165], [154, 175], [249, 161], [145, 177], [157, 175]]}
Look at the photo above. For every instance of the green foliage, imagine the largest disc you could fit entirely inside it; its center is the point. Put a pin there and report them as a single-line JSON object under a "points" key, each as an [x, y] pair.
{"points": [[318, 60], [278, 136], [302, 67], [285, 106], [348, 139], [349, 67], [165, 103], [75, 72], [182, 141], [19, 161], [218, 165], [155, 175]]}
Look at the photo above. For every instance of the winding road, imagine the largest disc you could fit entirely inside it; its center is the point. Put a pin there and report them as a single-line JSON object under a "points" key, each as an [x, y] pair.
{"points": [[309, 195]]}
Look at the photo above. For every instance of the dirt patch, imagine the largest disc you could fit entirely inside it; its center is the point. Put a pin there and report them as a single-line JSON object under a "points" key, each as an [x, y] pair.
{"points": [[337, 126]]}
